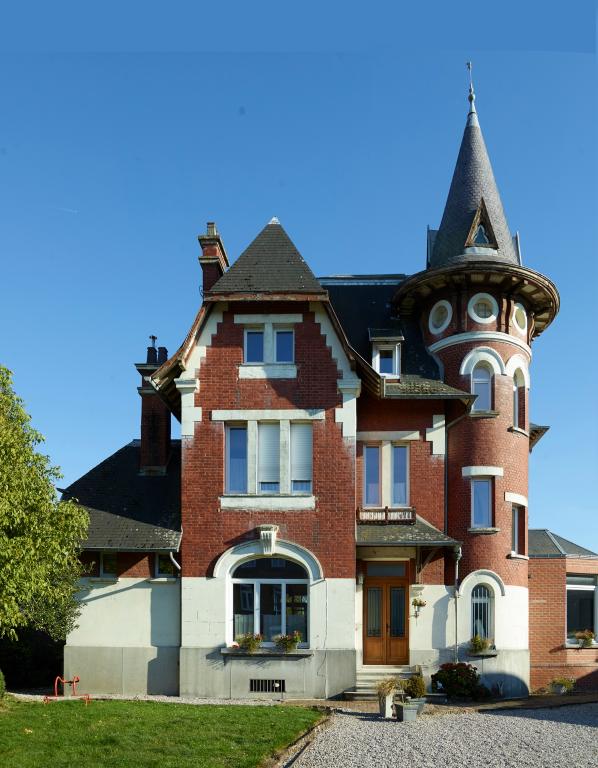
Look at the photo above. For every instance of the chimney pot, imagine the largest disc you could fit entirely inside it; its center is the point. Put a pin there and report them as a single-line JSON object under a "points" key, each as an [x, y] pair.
{"points": [[212, 231], [162, 355]]}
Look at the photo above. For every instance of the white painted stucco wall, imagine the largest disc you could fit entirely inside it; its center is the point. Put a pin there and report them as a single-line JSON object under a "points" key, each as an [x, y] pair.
{"points": [[128, 613]]}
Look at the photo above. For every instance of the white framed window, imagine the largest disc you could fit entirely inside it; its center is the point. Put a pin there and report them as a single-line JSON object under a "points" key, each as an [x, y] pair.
{"points": [[520, 318], [440, 316], [301, 458], [518, 400], [284, 345], [481, 502], [481, 385], [483, 308], [371, 476], [582, 607], [164, 567], [108, 565], [268, 458], [399, 476], [386, 359], [271, 598], [482, 612], [254, 345], [236, 459], [518, 529]]}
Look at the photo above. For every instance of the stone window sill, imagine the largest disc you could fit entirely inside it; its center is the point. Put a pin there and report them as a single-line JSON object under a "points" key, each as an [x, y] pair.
{"points": [[261, 652], [517, 556], [491, 653], [269, 501], [103, 579], [518, 431], [483, 531], [163, 580], [483, 414], [569, 646]]}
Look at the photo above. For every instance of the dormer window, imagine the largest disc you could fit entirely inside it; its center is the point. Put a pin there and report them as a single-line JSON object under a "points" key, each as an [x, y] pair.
{"points": [[480, 237], [386, 359]]}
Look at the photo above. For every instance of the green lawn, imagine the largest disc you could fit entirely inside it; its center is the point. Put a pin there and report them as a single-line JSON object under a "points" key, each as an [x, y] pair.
{"points": [[144, 734]]}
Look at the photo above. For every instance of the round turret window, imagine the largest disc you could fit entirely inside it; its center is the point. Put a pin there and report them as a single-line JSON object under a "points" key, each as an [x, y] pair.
{"points": [[520, 318], [440, 316], [483, 308]]}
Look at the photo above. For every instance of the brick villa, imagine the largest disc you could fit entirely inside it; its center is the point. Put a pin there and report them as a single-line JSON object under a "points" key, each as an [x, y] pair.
{"points": [[353, 466]]}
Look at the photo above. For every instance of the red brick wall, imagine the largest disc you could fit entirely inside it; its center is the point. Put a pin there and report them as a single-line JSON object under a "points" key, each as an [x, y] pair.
{"points": [[329, 530], [548, 624]]}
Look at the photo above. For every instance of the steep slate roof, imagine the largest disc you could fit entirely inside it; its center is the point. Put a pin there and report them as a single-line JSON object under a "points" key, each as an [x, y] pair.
{"points": [[129, 511], [544, 543], [270, 264], [421, 533], [473, 179]]}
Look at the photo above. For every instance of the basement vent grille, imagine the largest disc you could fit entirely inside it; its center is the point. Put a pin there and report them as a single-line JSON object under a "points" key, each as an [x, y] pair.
{"points": [[267, 686]]}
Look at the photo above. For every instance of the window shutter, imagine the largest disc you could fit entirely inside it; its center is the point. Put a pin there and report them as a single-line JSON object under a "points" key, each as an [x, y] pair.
{"points": [[268, 453], [301, 452]]}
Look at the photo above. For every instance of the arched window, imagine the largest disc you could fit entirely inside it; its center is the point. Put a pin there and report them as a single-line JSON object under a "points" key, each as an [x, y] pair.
{"points": [[481, 385], [270, 598], [482, 612], [518, 400]]}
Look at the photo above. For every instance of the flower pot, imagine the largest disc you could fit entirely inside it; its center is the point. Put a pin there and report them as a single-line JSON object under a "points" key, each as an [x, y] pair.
{"points": [[385, 704], [407, 712], [420, 704]]}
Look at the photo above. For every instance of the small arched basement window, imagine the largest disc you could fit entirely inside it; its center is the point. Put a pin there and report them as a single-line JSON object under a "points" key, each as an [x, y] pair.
{"points": [[482, 612], [270, 598], [481, 385]]}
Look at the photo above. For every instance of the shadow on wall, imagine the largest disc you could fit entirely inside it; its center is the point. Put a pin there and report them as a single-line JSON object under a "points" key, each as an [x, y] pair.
{"points": [[165, 639], [440, 622]]}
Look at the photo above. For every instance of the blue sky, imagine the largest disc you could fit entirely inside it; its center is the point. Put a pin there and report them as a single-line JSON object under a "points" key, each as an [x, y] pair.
{"points": [[119, 142]]}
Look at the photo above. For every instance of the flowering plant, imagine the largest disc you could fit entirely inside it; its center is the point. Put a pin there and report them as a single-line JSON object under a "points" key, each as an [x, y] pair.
{"points": [[288, 643], [417, 602], [585, 637], [249, 642]]}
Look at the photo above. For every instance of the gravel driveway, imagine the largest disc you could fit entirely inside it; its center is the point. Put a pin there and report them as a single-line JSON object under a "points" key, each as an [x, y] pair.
{"points": [[539, 738]]}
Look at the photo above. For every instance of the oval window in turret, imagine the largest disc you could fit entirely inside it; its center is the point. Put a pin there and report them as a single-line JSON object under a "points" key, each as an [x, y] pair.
{"points": [[483, 308], [440, 316], [520, 317]]}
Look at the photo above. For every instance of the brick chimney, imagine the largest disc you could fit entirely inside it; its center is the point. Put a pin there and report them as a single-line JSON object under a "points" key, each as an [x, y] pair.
{"points": [[213, 259], [155, 416]]}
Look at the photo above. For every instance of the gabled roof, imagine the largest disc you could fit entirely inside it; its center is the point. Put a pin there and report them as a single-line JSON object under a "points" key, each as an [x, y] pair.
{"points": [[473, 193], [270, 264], [129, 511], [544, 543]]}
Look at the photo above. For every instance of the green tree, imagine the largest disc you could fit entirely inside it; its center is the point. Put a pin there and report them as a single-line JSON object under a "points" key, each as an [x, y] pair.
{"points": [[39, 534]]}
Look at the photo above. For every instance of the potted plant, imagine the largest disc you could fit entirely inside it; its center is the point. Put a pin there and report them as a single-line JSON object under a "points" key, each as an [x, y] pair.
{"points": [[417, 604], [415, 688], [561, 685], [288, 643], [585, 637], [386, 690], [249, 642]]}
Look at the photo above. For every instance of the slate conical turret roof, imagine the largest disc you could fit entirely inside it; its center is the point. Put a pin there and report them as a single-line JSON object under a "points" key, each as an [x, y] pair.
{"points": [[270, 264], [473, 198]]}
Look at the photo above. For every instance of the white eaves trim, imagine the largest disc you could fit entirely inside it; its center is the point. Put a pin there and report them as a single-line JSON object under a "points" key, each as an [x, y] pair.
{"points": [[267, 371], [268, 502], [516, 498], [284, 414], [263, 319], [482, 472]]}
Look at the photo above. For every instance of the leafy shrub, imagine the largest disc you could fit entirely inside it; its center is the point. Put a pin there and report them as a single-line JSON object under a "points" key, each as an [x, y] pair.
{"points": [[2, 685], [481, 692], [568, 683], [456, 680], [478, 644], [415, 687]]}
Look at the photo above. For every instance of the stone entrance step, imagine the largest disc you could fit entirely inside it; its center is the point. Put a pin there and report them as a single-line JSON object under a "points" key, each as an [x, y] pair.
{"points": [[368, 677]]}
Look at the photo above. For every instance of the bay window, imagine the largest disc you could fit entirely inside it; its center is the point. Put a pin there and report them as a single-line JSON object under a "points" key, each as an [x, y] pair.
{"points": [[270, 598]]}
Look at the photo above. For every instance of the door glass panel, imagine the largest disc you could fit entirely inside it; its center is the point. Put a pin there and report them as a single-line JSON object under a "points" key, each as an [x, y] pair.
{"points": [[374, 612], [297, 610], [397, 611], [270, 611]]}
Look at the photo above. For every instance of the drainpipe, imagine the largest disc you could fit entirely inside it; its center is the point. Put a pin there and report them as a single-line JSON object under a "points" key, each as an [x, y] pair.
{"points": [[457, 554], [173, 561]]}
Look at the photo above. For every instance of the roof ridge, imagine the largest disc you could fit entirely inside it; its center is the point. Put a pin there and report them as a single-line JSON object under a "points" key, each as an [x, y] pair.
{"points": [[555, 542]]}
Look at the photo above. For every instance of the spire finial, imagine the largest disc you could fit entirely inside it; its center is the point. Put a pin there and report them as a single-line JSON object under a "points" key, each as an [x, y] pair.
{"points": [[471, 97], [153, 339]]}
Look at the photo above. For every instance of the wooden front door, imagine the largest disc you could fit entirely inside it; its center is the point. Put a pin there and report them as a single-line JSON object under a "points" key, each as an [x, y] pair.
{"points": [[386, 621]]}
